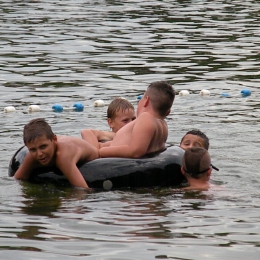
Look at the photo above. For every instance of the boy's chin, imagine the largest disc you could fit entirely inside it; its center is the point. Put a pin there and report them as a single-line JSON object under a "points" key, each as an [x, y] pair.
{"points": [[44, 162]]}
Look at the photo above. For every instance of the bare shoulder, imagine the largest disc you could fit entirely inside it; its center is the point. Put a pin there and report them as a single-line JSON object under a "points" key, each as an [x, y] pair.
{"points": [[149, 121], [145, 118], [74, 150]]}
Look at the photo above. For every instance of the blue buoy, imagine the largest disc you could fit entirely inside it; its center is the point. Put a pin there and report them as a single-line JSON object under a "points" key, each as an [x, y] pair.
{"points": [[225, 94], [78, 107], [139, 97], [245, 92], [57, 108]]}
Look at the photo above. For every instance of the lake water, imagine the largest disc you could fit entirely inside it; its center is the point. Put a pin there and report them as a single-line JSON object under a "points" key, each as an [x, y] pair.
{"points": [[80, 51]]}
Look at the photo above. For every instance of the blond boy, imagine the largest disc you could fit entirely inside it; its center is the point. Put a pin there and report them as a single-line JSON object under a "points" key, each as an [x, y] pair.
{"points": [[119, 113]]}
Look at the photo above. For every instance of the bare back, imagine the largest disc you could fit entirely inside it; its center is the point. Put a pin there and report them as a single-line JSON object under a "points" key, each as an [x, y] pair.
{"points": [[77, 149], [125, 135], [146, 134]]}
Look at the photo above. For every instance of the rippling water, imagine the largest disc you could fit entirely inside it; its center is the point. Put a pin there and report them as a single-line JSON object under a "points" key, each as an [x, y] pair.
{"points": [[80, 51]]}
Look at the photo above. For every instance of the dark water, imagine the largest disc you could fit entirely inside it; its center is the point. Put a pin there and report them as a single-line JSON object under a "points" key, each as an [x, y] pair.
{"points": [[80, 51]]}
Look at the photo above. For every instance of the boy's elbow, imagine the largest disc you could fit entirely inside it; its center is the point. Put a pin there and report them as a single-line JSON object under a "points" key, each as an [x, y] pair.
{"points": [[19, 177], [137, 154], [83, 132]]}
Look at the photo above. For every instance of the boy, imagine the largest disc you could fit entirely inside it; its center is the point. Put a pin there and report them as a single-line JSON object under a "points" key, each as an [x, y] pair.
{"points": [[197, 168], [148, 132], [194, 138], [47, 149], [119, 113]]}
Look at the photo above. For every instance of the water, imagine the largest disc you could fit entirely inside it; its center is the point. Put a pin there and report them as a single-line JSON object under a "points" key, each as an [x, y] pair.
{"points": [[80, 51]]}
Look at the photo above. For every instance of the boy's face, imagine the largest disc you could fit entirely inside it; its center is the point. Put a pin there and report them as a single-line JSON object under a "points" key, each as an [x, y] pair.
{"points": [[192, 141], [121, 118], [42, 149]]}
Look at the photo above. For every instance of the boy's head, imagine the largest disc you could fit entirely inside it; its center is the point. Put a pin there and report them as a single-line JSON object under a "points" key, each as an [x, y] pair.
{"points": [[119, 113], [196, 162], [194, 138], [36, 128], [40, 140], [162, 95]]}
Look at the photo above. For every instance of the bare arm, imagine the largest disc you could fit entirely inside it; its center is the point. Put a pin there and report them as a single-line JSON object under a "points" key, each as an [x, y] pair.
{"points": [[105, 144], [67, 157], [94, 136], [26, 168], [73, 174], [142, 135]]}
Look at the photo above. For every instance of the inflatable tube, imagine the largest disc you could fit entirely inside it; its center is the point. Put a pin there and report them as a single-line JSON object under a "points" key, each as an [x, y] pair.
{"points": [[161, 170]]}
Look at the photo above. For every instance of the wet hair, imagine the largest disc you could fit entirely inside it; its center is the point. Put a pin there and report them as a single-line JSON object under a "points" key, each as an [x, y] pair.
{"points": [[116, 105], [201, 135], [196, 161], [162, 95], [36, 128]]}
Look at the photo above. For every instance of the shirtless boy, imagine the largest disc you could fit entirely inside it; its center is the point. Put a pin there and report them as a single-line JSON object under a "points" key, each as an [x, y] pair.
{"points": [[197, 168], [196, 138], [119, 113], [47, 149], [148, 132]]}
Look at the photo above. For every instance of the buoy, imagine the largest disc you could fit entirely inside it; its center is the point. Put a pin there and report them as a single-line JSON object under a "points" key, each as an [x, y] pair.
{"points": [[99, 103], [245, 92], [9, 109], [34, 108], [225, 94], [139, 97], [78, 107], [204, 92], [184, 93], [57, 108]]}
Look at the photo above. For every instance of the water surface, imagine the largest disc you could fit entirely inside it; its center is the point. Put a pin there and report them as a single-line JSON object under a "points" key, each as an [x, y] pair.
{"points": [[80, 51]]}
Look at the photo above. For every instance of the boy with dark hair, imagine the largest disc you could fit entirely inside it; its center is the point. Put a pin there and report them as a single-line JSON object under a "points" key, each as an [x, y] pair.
{"points": [[46, 149], [197, 168], [194, 138]]}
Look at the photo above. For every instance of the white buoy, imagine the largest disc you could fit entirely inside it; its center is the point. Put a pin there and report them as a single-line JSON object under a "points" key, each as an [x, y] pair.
{"points": [[99, 103], [184, 93], [34, 108], [9, 109], [204, 92]]}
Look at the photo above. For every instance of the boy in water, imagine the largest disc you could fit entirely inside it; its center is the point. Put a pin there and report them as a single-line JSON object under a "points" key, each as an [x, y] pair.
{"points": [[47, 149], [119, 113], [149, 131], [197, 168], [194, 138]]}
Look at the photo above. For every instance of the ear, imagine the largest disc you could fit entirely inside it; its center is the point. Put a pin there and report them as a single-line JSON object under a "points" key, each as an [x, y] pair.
{"points": [[55, 139], [182, 171], [110, 122], [208, 173], [146, 101], [168, 112]]}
